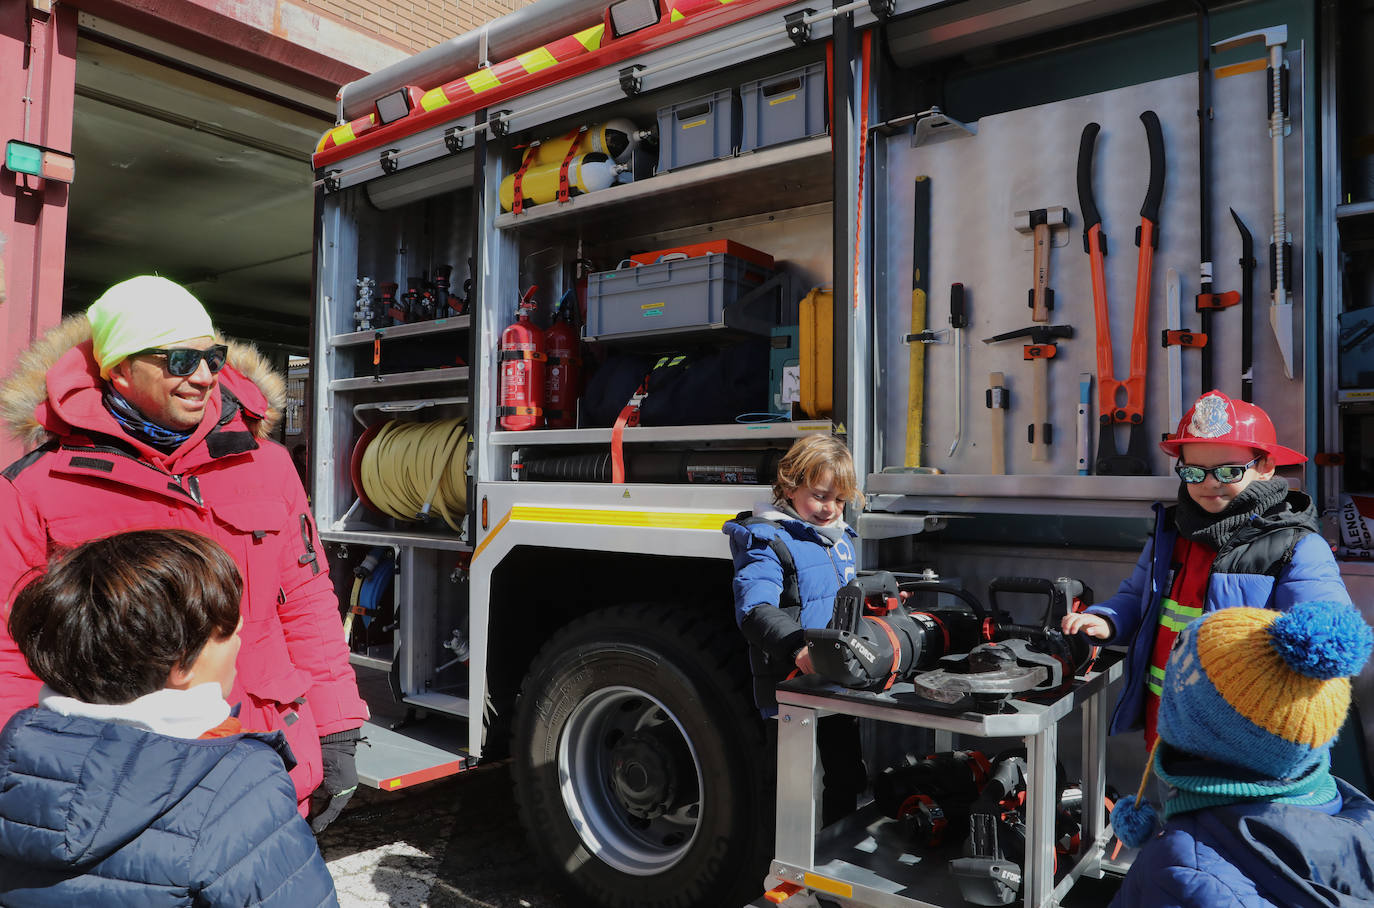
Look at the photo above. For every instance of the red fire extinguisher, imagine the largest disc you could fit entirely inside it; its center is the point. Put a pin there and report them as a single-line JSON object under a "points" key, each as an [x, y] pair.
{"points": [[521, 354], [564, 366]]}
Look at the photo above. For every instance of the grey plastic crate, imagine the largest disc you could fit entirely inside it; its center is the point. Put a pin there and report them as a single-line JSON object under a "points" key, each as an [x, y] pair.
{"points": [[783, 108], [679, 295], [702, 129]]}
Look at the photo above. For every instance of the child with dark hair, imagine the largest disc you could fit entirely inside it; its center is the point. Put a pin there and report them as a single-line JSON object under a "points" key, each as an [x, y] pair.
{"points": [[132, 783], [1252, 700]]}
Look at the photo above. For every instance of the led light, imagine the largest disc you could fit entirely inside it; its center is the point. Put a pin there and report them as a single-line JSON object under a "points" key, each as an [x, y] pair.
{"points": [[629, 16], [37, 161], [393, 107]]}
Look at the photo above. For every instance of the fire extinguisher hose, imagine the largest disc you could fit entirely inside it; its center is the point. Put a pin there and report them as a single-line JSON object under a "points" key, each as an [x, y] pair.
{"points": [[411, 468]]}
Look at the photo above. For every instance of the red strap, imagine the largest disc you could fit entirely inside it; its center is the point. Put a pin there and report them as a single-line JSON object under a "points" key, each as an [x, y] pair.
{"points": [[629, 416], [519, 204], [896, 651], [563, 192]]}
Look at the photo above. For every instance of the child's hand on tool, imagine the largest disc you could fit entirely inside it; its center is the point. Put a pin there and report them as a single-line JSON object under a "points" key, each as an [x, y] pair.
{"points": [[1086, 623], [803, 661]]}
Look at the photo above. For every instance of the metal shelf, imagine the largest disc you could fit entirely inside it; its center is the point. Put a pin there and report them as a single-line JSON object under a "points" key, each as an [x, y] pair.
{"points": [[642, 434], [778, 178], [400, 379], [381, 536], [418, 329], [1355, 396], [1091, 496], [1354, 210]]}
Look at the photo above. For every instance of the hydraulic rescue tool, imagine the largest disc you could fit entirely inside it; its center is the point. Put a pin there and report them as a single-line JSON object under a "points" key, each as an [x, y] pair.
{"points": [[1038, 352], [930, 798], [1110, 413], [1280, 242], [1247, 311], [998, 401], [1039, 223]]}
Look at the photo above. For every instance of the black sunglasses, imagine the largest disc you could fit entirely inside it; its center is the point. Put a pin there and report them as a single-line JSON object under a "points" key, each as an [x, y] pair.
{"points": [[1226, 473], [182, 361]]}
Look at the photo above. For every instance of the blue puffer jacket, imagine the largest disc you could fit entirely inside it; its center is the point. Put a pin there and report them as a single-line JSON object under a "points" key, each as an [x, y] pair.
{"points": [[775, 629], [97, 813], [1304, 572], [1258, 856]]}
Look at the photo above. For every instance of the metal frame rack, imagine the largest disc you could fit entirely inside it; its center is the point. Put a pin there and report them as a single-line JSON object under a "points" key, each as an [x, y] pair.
{"points": [[863, 859]]}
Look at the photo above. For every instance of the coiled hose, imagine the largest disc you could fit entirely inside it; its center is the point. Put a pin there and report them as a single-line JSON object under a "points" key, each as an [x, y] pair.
{"points": [[410, 468]]}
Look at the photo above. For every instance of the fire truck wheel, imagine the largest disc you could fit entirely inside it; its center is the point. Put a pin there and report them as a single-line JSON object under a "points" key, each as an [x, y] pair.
{"points": [[641, 770]]}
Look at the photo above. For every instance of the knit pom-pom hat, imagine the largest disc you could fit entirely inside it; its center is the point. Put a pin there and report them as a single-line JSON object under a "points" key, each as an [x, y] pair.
{"points": [[1262, 689], [1255, 688]]}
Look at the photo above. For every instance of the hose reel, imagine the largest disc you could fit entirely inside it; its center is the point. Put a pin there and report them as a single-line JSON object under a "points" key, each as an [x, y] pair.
{"points": [[407, 470]]}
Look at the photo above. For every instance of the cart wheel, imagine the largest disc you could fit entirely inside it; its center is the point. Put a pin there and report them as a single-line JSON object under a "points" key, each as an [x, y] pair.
{"points": [[642, 773]]}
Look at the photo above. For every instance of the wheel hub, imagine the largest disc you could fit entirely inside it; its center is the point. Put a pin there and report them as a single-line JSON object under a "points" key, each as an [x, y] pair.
{"points": [[644, 774]]}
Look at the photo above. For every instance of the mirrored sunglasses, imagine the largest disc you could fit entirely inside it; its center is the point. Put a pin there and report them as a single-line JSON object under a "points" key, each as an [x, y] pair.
{"points": [[1226, 473], [182, 361]]}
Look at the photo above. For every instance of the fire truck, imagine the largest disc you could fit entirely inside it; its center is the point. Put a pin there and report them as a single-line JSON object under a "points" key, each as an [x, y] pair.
{"points": [[997, 247]]}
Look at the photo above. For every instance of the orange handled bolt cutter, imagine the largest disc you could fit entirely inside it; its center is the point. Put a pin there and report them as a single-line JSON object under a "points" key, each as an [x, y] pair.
{"points": [[1110, 412]]}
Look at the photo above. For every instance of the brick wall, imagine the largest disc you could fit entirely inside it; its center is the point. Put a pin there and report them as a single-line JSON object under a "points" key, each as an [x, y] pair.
{"points": [[415, 24]]}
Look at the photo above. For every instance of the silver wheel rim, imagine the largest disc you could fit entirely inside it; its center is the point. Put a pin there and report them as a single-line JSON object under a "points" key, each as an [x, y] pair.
{"points": [[591, 746]]}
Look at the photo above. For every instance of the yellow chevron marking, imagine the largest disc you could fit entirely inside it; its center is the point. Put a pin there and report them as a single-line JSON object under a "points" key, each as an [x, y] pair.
{"points": [[486, 540], [481, 81], [537, 59], [590, 38]]}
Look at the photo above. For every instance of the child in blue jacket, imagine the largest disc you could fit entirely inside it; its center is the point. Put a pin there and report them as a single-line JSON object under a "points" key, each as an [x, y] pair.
{"points": [[132, 783], [1254, 818], [1238, 535], [774, 605]]}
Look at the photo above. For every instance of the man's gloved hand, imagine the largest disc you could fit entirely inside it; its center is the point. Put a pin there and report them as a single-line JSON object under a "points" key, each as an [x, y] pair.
{"points": [[339, 752]]}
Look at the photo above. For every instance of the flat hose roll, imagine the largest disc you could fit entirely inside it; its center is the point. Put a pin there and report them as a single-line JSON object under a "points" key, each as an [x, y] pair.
{"points": [[410, 468]]}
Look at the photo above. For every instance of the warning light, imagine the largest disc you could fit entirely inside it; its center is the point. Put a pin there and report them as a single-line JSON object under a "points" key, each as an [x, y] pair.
{"points": [[37, 161]]}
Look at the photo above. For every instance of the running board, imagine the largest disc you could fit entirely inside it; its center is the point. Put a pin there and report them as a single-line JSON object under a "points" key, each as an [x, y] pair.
{"points": [[392, 760]]}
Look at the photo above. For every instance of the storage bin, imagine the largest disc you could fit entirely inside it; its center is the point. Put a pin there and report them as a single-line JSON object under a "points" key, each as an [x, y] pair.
{"points": [[675, 296], [784, 108], [702, 129]]}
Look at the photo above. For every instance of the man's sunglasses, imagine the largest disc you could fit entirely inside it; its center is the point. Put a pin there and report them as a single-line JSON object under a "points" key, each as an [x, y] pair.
{"points": [[182, 361], [1227, 473]]}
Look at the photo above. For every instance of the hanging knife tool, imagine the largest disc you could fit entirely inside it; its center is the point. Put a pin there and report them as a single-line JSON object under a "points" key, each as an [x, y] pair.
{"points": [[1280, 243], [1247, 311], [958, 321], [1039, 352], [998, 402], [1135, 461]]}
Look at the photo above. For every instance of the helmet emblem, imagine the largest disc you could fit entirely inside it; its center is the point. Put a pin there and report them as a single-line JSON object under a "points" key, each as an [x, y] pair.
{"points": [[1209, 418]]}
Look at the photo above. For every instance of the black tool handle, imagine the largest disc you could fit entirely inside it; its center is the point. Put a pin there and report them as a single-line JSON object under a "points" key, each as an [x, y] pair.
{"points": [[958, 312], [1154, 136], [1091, 218], [936, 586], [1035, 586]]}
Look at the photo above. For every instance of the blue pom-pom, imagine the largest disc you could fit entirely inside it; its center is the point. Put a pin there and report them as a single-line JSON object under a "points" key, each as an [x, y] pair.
{"points": [[1134, 823], [1322, 640]]}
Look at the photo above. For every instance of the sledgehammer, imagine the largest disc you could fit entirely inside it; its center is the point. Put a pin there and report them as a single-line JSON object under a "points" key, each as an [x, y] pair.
{"points": [[1038, 223]]}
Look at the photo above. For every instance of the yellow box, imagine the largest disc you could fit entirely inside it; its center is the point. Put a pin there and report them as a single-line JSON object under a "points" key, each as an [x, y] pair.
{"points": [[817, 317]]}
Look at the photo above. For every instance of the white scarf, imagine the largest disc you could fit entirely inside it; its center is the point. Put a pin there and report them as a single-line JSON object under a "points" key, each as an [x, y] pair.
{"points": [[176, 713]]}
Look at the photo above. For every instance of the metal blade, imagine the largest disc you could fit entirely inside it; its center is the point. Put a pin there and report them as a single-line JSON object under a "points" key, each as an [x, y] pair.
{"points": [[1174, 310], [1281, 320]]}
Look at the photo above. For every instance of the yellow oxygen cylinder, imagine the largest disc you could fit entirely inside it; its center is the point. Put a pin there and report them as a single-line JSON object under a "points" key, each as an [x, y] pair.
{"points": [[586, 173], [615, 138]]}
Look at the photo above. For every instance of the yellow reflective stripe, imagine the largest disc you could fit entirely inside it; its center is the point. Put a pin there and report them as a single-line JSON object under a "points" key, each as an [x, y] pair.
{"points": [[1157, 672], [536, 59], [433, 99], [590, 38], [664, 520], [481, 81], [826, 884], [1173, 624], [343, 133], [486, 540], [1155, 688]]}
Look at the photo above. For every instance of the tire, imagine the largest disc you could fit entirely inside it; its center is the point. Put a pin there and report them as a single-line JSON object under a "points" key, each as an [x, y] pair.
{"points": [[641, 770]]}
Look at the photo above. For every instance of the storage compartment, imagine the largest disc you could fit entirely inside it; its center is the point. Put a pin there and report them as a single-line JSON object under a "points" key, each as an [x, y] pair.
{"points": [[1355, 348], [784, 108], [694, 294], [702, 129]]}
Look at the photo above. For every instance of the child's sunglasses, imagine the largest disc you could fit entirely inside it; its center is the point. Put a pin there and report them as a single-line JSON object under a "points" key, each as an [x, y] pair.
{"points": [[182, 361], [1226, 473]]}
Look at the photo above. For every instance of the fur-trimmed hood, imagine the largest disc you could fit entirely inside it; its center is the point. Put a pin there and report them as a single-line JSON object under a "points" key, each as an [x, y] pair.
{"points": [[247, 375]]}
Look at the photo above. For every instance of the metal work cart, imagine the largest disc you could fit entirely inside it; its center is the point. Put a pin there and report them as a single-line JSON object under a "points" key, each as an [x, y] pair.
{"points": [[865, 860]]}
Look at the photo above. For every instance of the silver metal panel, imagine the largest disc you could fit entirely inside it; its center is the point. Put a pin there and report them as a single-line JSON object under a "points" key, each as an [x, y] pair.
{"points": [[642, 434], [1027, 159], [378, 536], [797, 816], [388, 754], [409, 152]]}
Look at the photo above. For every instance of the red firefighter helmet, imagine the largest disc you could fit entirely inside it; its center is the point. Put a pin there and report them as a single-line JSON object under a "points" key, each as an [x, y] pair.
{"points": [[1218, 419]]}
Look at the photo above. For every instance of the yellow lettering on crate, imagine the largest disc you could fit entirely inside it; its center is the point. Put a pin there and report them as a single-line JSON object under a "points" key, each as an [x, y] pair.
{"points": [[791, 97], [701, 122]]}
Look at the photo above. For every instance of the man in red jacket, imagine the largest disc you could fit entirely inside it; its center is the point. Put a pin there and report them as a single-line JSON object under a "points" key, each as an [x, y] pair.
{"points": [[138, 416]]}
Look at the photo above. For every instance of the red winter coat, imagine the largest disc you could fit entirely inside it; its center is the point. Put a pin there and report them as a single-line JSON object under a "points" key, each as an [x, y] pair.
{"points": [[86, 478]]}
